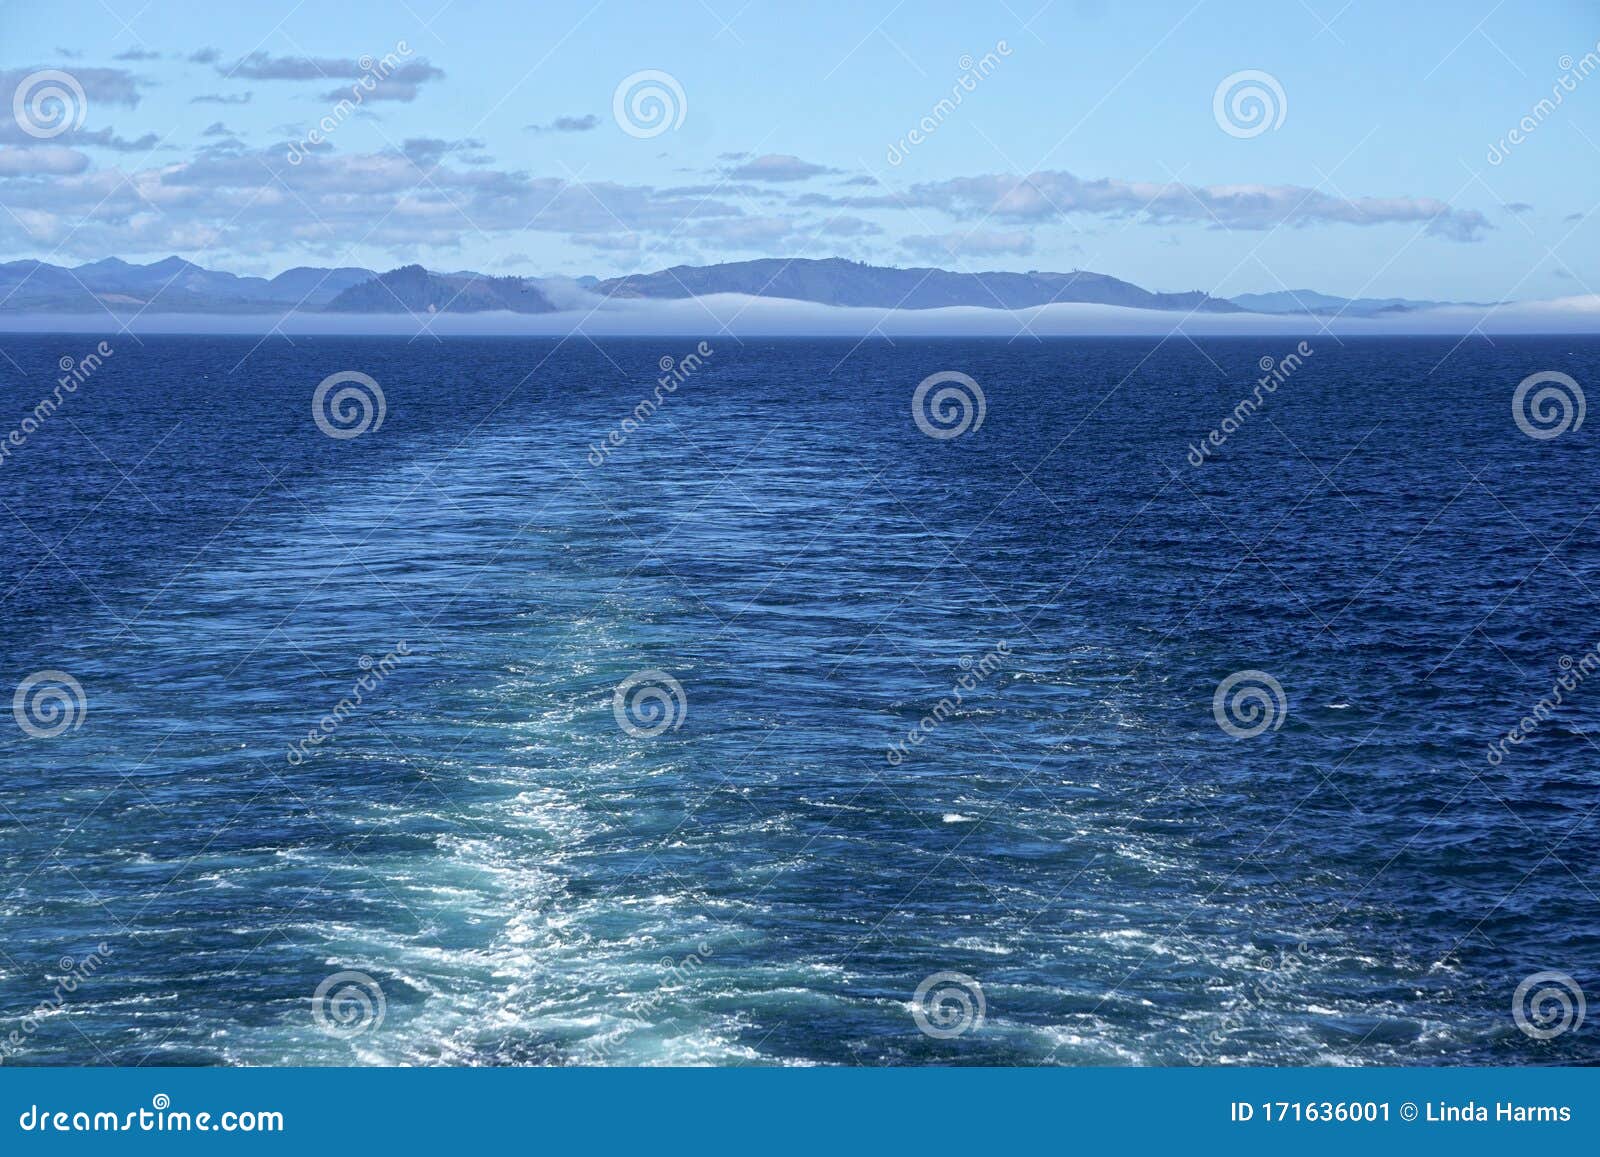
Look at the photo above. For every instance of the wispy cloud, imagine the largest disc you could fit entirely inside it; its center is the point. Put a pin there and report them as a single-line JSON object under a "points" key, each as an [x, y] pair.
{"points": [[778, 167], [764, 235], [849, 227], [115, 86], [401, 83], [264, 66], [581, 124], [609, 242], [11, 132], [428, 152], [330, 197], [1055, 196], [41, 160]]}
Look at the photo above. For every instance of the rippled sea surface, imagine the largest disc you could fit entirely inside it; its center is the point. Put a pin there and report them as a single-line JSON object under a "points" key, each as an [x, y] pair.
{"points": [[527, 882]]}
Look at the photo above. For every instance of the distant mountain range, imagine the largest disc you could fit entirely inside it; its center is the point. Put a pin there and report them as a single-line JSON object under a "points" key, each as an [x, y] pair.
{"points": [[412, 289], [835, 281], [178, 286], [1309, 301]]}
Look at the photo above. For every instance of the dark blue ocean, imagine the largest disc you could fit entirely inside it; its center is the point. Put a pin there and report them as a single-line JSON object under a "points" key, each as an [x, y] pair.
{"points": [[480, 863]]}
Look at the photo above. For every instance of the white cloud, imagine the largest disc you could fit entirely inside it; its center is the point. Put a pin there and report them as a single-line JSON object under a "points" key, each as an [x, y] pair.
{"points": [[254, 199], [1050, 196], [45, 159], [778, 167], [100, 85]]}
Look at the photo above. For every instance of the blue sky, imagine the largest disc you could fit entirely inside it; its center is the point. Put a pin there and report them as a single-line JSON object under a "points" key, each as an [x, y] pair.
{"points": [[1091, 141]]}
